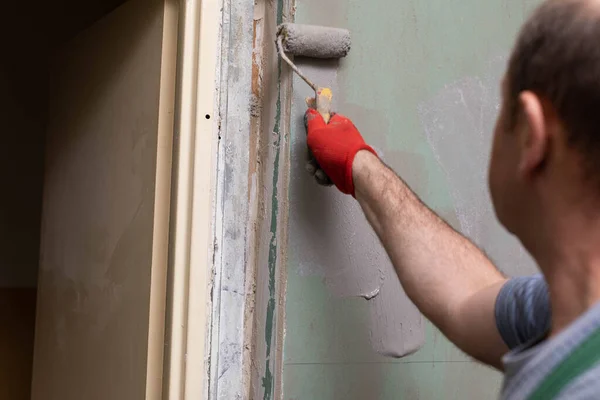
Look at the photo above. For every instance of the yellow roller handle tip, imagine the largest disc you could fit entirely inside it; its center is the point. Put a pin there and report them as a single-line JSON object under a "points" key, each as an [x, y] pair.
{"points": [[323, 100], [325, 93]]}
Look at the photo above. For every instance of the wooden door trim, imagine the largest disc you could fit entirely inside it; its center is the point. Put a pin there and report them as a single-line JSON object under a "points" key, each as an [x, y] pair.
{"points": [[164, 162], [192, 201]]}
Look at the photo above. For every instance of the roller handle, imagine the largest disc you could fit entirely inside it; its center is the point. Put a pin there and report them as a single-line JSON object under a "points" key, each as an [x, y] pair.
{"points": [[323, 100], [322, 103]]}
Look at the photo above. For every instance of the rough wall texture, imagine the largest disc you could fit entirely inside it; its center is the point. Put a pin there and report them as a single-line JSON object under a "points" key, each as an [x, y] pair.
{"points": [[422, 84], [229, 377]]}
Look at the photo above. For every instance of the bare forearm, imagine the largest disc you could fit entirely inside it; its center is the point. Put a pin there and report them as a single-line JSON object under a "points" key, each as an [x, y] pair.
{"points": [[445, 275], [439, 268]]}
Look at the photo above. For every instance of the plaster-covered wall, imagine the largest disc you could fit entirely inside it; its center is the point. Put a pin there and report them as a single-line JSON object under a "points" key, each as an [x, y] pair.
{"points": [[421, 82]]}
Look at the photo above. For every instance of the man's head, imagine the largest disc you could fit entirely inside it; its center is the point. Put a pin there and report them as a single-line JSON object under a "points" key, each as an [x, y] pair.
{"points": [[546, 152]]}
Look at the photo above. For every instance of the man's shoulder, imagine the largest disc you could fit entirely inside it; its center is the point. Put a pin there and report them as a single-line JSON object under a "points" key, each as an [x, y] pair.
{"points": [[522, 310]]}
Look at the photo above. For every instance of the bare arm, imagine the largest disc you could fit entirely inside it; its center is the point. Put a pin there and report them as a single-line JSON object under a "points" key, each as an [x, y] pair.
{"points": [[447, 277]]}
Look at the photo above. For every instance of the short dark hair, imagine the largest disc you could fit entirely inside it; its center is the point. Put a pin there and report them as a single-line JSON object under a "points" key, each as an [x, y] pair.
{"points": [[557, 56]]}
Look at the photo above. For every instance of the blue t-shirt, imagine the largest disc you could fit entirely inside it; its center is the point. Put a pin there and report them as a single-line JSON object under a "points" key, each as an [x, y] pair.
{"points": [[523, 317]]}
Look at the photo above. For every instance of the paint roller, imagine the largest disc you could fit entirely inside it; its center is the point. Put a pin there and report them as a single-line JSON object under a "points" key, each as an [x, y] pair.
{"points": [[316, 42]]}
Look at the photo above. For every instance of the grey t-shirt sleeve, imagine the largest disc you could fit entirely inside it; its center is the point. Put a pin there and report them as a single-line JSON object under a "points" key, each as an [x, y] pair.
{"points": [[523, 310]]}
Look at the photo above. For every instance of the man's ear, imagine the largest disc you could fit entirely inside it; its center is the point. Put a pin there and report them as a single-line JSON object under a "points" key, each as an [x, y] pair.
{"points": [[534, 140]]}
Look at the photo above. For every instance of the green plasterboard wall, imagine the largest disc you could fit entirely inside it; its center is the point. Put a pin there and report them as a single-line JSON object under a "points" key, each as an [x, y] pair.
{"points": [[422, 84]]}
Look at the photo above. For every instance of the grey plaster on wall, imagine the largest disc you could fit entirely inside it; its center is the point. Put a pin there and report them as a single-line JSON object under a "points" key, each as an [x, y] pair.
{"points": [[329, 233], [329, 236], [227, 362]]}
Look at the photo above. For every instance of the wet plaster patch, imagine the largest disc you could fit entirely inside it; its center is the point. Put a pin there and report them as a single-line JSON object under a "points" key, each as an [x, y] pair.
{"points": [[330, 236]]}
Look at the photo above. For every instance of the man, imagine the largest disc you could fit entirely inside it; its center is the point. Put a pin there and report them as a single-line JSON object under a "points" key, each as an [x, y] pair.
{"points": [[544, 178]]}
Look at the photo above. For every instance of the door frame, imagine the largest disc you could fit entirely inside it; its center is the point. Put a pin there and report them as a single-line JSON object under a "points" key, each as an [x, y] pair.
{"points": [[191, 243], [223, 315]]}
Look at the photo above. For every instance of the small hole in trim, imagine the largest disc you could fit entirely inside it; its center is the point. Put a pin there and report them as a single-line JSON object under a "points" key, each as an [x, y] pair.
{"points": [[207, 116]]}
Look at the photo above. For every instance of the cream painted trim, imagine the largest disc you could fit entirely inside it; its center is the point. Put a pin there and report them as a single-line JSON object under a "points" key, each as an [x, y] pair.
{"points": [[158, 288], [192, 203]]}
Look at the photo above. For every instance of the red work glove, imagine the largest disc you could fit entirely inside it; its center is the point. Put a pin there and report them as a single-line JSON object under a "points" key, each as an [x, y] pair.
{"points": [[335, 145]]}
